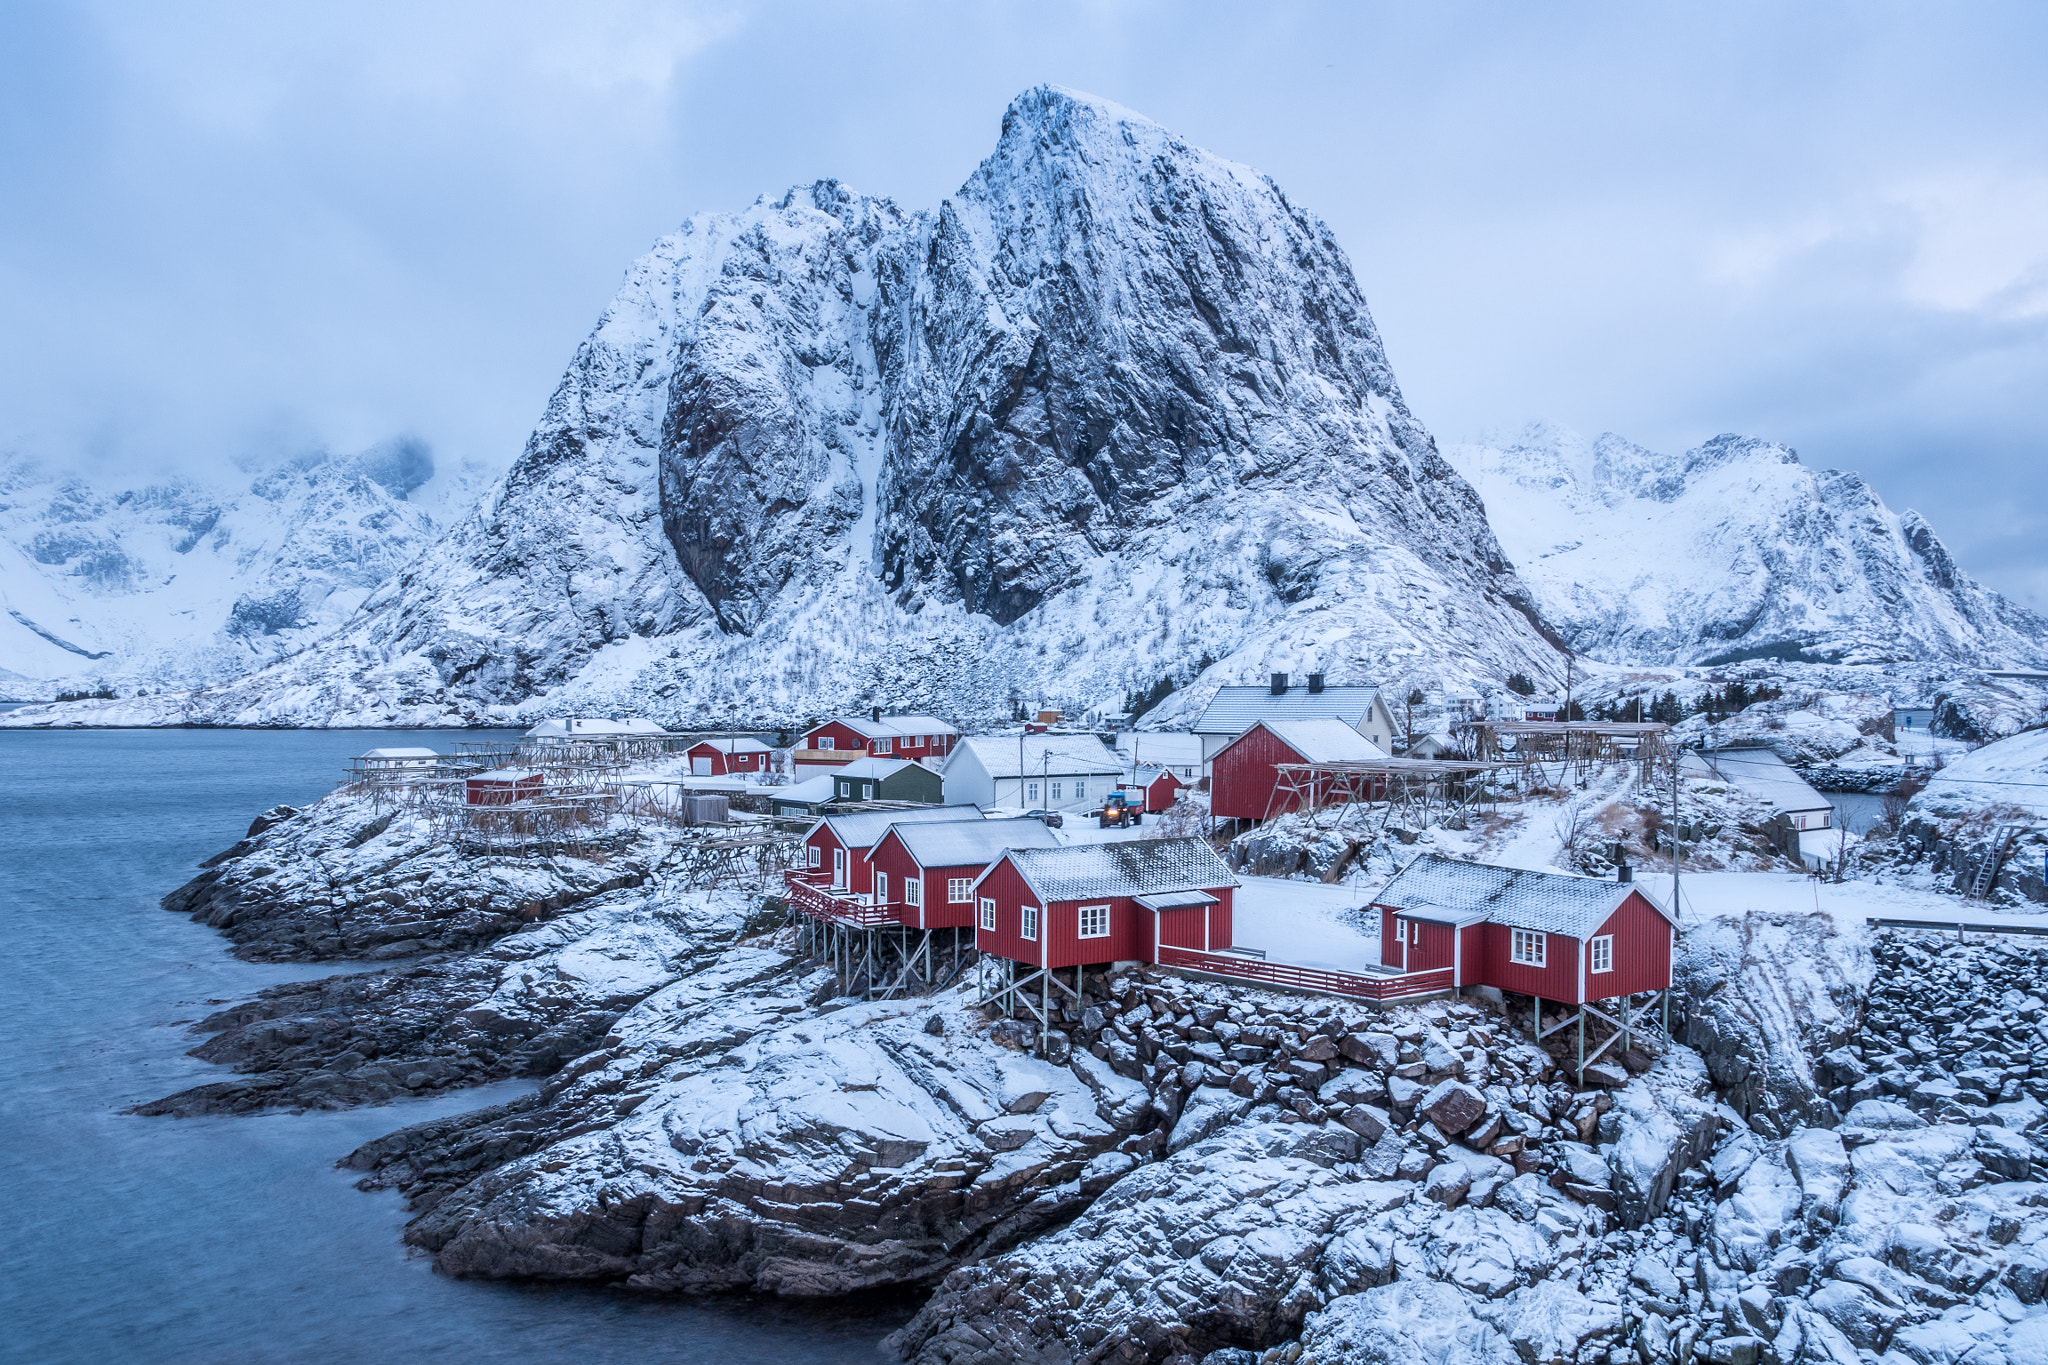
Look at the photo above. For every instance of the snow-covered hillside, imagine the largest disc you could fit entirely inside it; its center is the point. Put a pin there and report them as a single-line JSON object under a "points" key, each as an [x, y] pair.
{"points": [[180, 583], [1732, 551], [1115, 404]]}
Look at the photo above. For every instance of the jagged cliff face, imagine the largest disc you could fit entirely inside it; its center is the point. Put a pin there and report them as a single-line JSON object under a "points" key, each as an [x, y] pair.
{"points": [[1731, 551], [181, 583], [1115, 405]]}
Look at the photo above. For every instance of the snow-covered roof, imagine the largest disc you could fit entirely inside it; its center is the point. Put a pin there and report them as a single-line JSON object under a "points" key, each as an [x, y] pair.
{"points": [[1321, 740], [1550, 902], [1236, 709], [1145, 777], [509, 775], [874, 767], [386, 754], [581, 727], [732, 746], [1176, 900], [1759, 772], [1135, 867], [864, 829], [958, 843], [1042, 755], [888, 727], [810, 792]]}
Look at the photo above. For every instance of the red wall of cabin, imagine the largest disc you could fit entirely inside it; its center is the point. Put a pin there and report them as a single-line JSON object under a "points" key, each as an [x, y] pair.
{"points": [[1557, 979], [844, 738], [891, 857], [859, 874], [1642, 952], [1160, 794], [1130, 933], [847, 739], [1007, 888], [1242, 780]]}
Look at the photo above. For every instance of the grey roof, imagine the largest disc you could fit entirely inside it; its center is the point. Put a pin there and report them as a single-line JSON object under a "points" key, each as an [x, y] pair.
{"points": [[889, 727], [1234, 709], [1176, 900], [1761, 773], [741, 744], [1551, 902], [874, 767], [1172, 748], [1043, 755], [1134, 867], [812, 791], [865, 828], [1322, 740], [960, 844]]}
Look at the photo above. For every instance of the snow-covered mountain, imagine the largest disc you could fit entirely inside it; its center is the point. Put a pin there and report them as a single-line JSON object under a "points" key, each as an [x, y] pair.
{"points": [[1115, 404], [180, 583], [1732, 551]]}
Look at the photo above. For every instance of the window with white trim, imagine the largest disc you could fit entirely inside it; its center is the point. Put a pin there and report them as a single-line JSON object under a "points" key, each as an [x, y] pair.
{"points": [[1094, 921], [825, 741], [988, 914], [1055, 791], [1603, 953], [1080, 791], [1030, 793], [1400, 931], [883, 746], [1027, 923], [959, 890], [814, 855], [1526, 947], [913, 891]]}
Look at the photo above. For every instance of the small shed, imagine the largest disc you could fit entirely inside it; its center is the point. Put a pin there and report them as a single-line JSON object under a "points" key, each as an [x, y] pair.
{"points": [[1161, 786], [399, 760], [504, 786], [887, 779], [727, 756], [1089, 904], [926, 872], [1244, 782]]}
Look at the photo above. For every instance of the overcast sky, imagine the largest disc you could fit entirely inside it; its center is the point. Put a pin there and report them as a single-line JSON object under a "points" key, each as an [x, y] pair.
{"points": [[230, 230]]}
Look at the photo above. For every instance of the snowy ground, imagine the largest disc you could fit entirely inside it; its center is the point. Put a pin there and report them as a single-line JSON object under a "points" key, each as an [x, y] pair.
{"points": [[1305, 924], [1712, 894]]}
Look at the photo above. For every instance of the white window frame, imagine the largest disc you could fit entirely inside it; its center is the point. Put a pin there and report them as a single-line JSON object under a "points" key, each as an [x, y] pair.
{"points": [[1093, 915], [814, 855], [1528, 947], [824, 742], [959, 890], [1053, 794], [881, 887], [1601, 954], [1400, 930], [913, 891], [885, 745], [1027, 922], [1030, 793], [1080, 789], [988, 914]]}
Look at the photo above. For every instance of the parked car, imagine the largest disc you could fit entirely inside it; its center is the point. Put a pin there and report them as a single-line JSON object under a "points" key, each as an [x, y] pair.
{"points": [[1051, 819]]}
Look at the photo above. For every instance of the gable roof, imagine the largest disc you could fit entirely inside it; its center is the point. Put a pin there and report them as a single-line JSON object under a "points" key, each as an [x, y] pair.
{"points": [[1322, 740], [740, 745], [1042, 755], [1234, 709], [1436, 887], [812, 791], [888, 727], [1145, 777], [874, 767], [865, 828], [1134, 867], [1759, 772], [958, 843]]}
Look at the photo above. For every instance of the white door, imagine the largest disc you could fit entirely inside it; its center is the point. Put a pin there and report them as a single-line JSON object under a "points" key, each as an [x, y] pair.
{"points": [[881, 888], [839, 868], [701, 766]]}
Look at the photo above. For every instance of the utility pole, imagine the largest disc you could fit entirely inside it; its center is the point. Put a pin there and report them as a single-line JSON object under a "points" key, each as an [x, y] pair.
{"points": [[1676, 755]]}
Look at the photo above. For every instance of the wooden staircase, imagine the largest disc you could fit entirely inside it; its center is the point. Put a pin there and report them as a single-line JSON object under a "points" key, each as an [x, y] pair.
{"points": [[1994, 859]]}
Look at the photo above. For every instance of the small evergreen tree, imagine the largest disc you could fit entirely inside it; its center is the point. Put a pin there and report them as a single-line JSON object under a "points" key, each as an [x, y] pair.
{"points": [[1667, 709], [1519, 683]]}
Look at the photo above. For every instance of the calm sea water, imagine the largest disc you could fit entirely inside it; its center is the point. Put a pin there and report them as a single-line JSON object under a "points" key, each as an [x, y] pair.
{"points": [[234, 1239]]}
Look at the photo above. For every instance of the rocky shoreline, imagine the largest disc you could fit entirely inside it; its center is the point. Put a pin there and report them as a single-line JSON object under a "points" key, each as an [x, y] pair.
{"points": [[1196, 1172]]}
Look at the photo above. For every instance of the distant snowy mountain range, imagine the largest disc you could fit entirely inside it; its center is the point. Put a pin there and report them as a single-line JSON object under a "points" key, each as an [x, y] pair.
{"points": [[1731, 551], [180, 584], [1114, 411]]}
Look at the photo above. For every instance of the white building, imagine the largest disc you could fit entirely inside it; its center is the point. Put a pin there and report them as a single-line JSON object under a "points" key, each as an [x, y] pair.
{"points": [[1178, 752], [1032, 772]]}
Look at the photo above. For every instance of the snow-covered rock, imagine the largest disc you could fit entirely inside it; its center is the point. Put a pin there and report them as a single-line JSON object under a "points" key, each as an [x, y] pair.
{"points": [[1733, 550], [1114, 404]]}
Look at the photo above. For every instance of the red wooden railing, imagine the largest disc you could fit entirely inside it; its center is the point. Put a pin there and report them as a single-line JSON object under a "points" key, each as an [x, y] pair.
{"points": [[820, 904], [1394, 987]]}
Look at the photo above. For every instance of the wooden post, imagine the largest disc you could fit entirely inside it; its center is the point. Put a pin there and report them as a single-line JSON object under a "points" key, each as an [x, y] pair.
{"points": [[1044, 1008], [1582, 1042], [1536, 1020]]}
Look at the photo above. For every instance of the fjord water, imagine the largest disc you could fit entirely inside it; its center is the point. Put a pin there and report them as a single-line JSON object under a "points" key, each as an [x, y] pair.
{"points": [[234, 1239]]}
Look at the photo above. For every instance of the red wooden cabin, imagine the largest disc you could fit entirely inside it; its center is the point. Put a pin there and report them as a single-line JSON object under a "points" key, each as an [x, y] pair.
{"points": [[1089, 904], [1160, 786], [1244, 784], [846, 738], [727, 757], [1572, 940], [503, 787], [925, 873], [836, 849]]}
